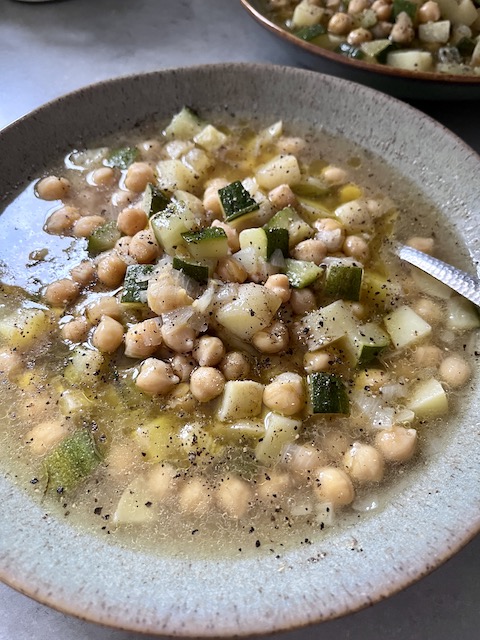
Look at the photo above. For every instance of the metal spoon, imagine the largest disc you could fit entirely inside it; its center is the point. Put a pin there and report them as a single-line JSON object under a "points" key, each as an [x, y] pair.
{"points": [[460, 281]]}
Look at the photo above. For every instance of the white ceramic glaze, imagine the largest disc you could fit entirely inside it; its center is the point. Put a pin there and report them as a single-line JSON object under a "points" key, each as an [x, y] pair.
{"points": [[433, 516]]}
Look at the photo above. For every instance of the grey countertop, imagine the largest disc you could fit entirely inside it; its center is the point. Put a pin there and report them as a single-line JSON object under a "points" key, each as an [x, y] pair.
{"points": [[48, 49]]}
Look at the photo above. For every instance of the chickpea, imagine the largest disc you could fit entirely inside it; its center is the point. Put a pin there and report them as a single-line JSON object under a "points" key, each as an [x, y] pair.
{"points": [[104, 306], [304, 459], [335, 444], [285, 394], [195, 496], [382, 29], [62, 292], [183, 366], [122, 198], [163, 296], [108, 335], [84, 227], [426, 245], [429, 310], [331, 233], [383, 9], [340, 24], [208, 351], [357, 36], [455, 371], [335, 175], [428, 356], [143, 247], [310, 250], [160, 480], [317, 361], [139, 174], [402, 31], [150, 149], [10, 363], [272, 339], [364, 462], [131, 220], [429, 12], [206, 383], [122, 247], [302, 301], [156, 377], [211, 201], [76, 330], [396, 444], [232, 235], [103, 177], [143, 339], [234, 366], [356, 247], [52, 188], [111, 270], [62, 220], [230, 270], [357, 6], [179, 337], [233, 497], [84, 273], [282, 196], [291, 145], [44, 436], [280, 285], [333, 485], [273, 486]]}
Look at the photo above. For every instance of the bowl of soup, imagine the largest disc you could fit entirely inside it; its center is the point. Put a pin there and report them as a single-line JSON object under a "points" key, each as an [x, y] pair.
{"points": [[227, 406], [415, 50]]}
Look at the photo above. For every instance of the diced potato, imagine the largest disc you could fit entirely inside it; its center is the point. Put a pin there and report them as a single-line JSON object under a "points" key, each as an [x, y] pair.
{"points": [[21, 329], [438, 32], [135, 504], [405, 327], [210, 138], [327, 325], [279, 431], [280, 170], [307, 14], [430, 285], [184, 125], [411, 60], [199, 161], [354, 215], [458, 12], [462, 315], [240, 399], [256, 238], [174, 174], [428, 400]]}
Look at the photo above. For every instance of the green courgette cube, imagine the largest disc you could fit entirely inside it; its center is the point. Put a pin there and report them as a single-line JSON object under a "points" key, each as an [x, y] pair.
{"points": [[370, 341], [311, 32], [301, 273], [290, 220], [404, 6], [122, 158], [198, 272], [343, 282], [236, 201], [71, 461], [277, 239], [350, 51], [328, 394], [169, 225], [103, 238], [154, 200], [136, 283], [211, 242]]}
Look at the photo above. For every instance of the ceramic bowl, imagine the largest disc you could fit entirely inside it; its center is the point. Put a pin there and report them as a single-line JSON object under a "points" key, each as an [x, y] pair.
{"points": [[397, 82], [432, 515]]}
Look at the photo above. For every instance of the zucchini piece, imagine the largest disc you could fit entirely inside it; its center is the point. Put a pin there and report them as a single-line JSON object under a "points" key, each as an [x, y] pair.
{"points": [[350, 51], [343, 281], [198, 272], [277, 240], [71, 461], [169, 225], [370, 341], [158, 439], [136, 283], [211, 242], [279, 432], [404, 6], [328, 393], [122, 158], [301, 273], [154, 200], [466, 46], [290, 220], [379, 290], [184, 125], [255, 239], [405, 327], [378, 49], [103, 238], [236, 201], [310, 32]]}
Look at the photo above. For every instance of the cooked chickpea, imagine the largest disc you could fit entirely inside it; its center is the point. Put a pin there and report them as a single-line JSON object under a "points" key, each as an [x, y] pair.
{"points": [[10, 363], [304, 459], [206, 383], [150, 149], [52, 188], [429, 310], [285, 394], [163, 296], [310, 250], [235, 366], [429, 12], [183, 366], [382, 29], [111, 270], [143, 247], [383, 9], [161, 479], [179, 337], [333, 485], [273, 486], [76, 330], [357, 6], [62, 292], [396, 444], [208, 351], [84, 227], [402, 31], [195, 496], [156, 377], [122, 198], [122, 247], [103, 177], [83, 273], [62, 220], [234, 497], [356, 247], [232, 234], [272, 339], [317, 361], [280, 285], [143, 339], [282, 196], [425, 245], [455, 371], [291, 145], [428, 356], [334, 175], [335, 444], [331, 233], [44, 436], [364, 463], [131, 220], [108, 335], [104, 306], [211, 200], [230, 270], [340, 24], [139, 174], [357, 36], [302, 301]]}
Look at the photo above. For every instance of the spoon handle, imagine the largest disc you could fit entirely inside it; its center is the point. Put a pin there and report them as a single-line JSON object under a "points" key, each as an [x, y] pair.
{"points": [[458, 280]]}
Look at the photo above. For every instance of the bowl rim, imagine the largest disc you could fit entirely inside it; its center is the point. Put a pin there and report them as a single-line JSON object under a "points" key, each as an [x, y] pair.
{"points": [[360, 65], [76, 607]]}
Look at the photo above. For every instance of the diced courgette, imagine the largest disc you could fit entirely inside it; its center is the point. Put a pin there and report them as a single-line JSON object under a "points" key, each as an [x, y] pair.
{"points": [[103, 238], [290, 220], [154, 200], [199, 272], [210, 242], [22, 328], [136, 283], [84, 366], [283, 169], [277, 240], [328, 394], [369, 342], [462, 315], [404, 6], [343, 281], [169, 225], [311, 32], [279, 432], [71, 461], [236, 201], [122, 158], [210, 138], [301, 273]]}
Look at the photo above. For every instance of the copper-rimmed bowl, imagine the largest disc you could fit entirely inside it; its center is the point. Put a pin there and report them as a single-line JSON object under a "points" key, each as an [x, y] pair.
{"points": [[397, 82]]}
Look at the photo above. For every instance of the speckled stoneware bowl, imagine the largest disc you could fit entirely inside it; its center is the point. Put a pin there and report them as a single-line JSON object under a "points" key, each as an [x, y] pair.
{"points": [[429, 518], [397, 82]]}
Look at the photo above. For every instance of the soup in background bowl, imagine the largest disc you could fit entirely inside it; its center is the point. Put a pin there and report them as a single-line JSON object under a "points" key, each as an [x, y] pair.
{"points": [[215, 374]]}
